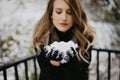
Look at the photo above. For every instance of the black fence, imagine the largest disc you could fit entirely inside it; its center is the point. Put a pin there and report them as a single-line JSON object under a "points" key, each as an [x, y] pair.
{"points": [[109, 52], [15, 65]]}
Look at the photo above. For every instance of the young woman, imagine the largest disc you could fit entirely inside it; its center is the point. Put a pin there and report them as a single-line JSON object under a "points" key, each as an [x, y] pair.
{"points": [[64, 20]]}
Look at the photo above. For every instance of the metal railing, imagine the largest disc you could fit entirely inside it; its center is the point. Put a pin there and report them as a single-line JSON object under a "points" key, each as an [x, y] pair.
{"points": [[15, 64], [109, 52]]}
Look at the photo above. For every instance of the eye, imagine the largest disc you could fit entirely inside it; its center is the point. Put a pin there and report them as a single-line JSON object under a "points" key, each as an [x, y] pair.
{"points": [[69, 12], [58, 12]]}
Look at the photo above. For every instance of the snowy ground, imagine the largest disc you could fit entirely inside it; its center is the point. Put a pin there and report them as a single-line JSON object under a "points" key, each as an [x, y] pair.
{"points": [[17, 20]]}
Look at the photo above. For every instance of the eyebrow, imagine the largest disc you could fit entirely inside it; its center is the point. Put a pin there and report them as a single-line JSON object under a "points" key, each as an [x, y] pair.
{"points": [[60, 9]]}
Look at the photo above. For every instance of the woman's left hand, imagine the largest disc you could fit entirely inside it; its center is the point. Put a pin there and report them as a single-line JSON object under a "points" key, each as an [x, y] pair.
{"points": [[55, 63]]}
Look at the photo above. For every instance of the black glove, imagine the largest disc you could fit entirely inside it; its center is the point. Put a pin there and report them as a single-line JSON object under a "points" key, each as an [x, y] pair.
{"points": [[53, 55], [69, 55]]}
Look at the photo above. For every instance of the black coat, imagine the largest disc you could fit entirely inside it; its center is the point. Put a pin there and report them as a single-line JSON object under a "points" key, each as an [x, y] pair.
{"points": [[73, 70]]}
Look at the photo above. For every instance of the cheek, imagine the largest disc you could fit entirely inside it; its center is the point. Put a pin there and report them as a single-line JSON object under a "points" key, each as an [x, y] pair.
{"points": [[55, 19], [71, 21]]}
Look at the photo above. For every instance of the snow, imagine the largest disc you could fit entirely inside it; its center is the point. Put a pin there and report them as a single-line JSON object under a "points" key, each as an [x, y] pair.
{"points": [[105, 34], [17, 21], [63, 49]]}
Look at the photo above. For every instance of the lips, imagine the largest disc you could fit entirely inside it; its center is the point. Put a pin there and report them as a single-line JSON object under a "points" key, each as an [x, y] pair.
{"points": [[64, 24]]}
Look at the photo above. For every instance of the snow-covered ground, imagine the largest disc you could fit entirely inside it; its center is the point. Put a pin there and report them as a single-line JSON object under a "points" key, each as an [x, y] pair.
{"points": [[17, 21]]}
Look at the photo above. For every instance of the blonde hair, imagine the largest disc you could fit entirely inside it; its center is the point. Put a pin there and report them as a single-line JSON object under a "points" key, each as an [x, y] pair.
{"points": [[81, 28]]}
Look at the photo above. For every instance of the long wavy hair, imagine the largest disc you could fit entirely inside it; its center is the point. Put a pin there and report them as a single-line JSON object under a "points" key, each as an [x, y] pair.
{"points": [[81, 29]]}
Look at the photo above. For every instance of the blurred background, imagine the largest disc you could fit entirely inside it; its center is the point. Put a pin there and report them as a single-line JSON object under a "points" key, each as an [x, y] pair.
{"points": [[19, 17]]}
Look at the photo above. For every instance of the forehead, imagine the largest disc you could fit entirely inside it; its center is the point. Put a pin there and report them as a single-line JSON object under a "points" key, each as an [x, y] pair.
{"points": [[60, 4]]}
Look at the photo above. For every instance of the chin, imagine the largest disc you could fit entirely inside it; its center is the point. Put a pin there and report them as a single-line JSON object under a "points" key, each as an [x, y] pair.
{"points": [[63, 30]]}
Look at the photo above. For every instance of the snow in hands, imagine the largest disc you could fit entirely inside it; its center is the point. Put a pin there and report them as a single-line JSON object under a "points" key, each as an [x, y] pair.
{"points": [[66, 49]]}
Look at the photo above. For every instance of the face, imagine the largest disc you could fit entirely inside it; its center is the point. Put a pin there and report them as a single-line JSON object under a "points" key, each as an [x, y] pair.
{"points": [[61, 16]]}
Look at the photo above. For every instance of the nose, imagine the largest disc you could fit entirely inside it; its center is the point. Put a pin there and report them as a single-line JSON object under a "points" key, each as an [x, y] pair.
{"points": [[64, 17]]}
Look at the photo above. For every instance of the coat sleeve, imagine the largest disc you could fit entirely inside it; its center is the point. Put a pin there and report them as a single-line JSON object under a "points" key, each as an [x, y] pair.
{"points": [[42, 61]]}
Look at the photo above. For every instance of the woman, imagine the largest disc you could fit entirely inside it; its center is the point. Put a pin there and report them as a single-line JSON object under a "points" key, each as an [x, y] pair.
{"points": [[64, 20]]}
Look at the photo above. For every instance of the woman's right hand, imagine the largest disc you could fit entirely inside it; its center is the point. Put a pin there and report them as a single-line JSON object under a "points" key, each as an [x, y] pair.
{"points": [[55, 63]]}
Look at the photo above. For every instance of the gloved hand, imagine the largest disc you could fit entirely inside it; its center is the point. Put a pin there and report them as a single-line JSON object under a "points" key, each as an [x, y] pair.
{"points": [[52, 54], [69, 55]]}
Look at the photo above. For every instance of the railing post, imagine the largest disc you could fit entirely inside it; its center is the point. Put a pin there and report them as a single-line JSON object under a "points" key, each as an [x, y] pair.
{"points": [[35, 69], [97, 65], [109, 65], [16, 73], [119, 68], [26, 70], [5, 74]]}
